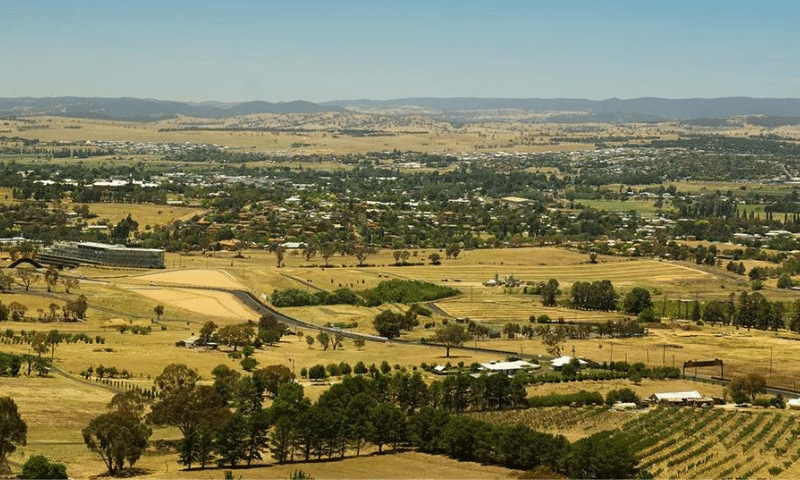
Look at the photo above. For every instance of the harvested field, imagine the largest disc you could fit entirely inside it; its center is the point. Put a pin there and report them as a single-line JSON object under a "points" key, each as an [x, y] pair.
{"points": [[206, 302], [200, 278]]}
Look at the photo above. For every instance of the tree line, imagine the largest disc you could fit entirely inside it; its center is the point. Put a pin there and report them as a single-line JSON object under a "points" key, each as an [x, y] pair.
{"points": [[227, 424]]}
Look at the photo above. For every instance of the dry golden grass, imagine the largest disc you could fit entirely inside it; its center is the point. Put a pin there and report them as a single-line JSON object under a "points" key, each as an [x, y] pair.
{"points": [[145, 214], [388, 466], [432, 136], [5, 196], [55, 410]]}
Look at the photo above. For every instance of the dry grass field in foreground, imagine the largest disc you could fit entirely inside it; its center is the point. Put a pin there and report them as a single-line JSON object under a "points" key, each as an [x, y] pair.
{"points": [[55, 410], [392, 465]]}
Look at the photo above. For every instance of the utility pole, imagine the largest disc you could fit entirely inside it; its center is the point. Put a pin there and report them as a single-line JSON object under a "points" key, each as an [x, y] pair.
{"points": [[770, 361]]}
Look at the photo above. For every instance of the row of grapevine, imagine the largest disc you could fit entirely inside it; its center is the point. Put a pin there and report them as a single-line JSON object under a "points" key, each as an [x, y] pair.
{"points": [[693, 443]]}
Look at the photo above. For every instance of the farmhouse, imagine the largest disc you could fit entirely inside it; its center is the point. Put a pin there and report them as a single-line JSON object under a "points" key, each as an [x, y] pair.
{"points": [[72, 254], [508, 368], [558, 363]]}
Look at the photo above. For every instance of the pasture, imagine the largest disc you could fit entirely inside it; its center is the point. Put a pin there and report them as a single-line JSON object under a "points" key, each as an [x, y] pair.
{"points": [[146, 214]]}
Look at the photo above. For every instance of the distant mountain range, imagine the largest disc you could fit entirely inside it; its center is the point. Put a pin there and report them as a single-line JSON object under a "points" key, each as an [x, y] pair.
{"points": [[138, 109], [613, 109], [464, 109]]}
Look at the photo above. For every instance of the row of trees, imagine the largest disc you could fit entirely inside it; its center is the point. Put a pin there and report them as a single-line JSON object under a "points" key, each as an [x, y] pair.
{"points": [[227, 424], [597, 295], [750, 310], [28, 277], [71, 311]]}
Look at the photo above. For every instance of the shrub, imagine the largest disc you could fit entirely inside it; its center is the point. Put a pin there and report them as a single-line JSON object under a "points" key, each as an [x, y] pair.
{"points": [[40, 468], [249, 364], [385, 367], [625, 395], [317, 372], [333, 369], [420, 310], [360, 368]]}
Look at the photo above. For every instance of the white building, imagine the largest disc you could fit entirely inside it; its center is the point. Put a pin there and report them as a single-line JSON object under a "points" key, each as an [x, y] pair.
{"points": [[509, 368]]}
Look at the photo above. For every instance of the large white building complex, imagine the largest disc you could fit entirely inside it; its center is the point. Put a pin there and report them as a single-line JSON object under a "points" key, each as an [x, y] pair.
{"points": [[72, 254]]}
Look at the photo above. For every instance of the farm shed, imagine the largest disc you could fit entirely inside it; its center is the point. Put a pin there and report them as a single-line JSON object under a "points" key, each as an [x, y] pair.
{"points": [[190, 342], [509, 368], [679, 398], [558, 363], [793, 404]]}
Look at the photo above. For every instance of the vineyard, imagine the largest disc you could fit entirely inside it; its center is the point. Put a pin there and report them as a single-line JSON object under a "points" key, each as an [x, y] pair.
{"points": [[684, 442], [573, 423]]}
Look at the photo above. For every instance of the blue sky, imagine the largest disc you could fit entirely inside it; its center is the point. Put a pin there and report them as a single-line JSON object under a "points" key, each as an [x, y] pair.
{"points": [[241, 50]]}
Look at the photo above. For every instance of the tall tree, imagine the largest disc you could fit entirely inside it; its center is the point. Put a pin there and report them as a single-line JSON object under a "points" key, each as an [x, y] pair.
{"points": [[231, 445], [116, 438], [182, 402], [390, 424], [747, 386], [550, 292], [236, 335], [451, 335], [51, 277], [13, 430], [27, 277], [207, 331], [280, 253], [389, 323], [637, 300], [69, 283]]}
